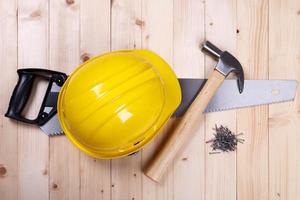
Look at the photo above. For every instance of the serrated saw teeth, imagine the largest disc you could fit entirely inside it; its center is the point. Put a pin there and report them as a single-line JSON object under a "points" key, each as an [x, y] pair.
{"points": [[56, 134], [240, 107]]}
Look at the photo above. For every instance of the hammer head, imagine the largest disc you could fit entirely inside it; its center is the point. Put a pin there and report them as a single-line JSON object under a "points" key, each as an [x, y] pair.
{"points": [[227, 63]]}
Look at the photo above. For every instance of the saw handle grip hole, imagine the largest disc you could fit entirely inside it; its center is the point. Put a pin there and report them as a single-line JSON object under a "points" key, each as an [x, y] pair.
{"points": [[34, 102]]}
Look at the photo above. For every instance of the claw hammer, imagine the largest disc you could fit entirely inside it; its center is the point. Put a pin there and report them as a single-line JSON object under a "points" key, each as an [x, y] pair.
{"points": [[226, 63]]}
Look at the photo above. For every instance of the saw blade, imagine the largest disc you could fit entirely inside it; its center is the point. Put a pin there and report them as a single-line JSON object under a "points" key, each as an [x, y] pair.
{"points": [[256, 92], [52, 127]]}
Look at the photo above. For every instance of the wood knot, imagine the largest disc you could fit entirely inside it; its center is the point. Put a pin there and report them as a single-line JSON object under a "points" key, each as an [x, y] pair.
{"points": [[45, 172], [36, 14], [112, 185], [134, 174], [3, 170], [278, 194], [237, 31], [139, 22], [211, 23], [85, 57], [102, 190], [184, 159], [298, 12], [54, 186], [70, 2]]}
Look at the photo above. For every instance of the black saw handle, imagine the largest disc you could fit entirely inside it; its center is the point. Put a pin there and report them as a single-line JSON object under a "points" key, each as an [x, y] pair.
{"points": [[22, 92]]}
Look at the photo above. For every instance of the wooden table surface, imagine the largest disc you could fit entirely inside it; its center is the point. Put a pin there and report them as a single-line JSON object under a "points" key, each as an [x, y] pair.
{"points": [[60, 34]]}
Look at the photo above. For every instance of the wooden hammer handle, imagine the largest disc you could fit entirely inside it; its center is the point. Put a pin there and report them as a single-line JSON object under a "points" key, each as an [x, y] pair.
{"points": [[185, 129]]}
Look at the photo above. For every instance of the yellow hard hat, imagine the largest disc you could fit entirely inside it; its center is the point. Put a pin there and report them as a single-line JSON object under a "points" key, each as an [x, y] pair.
{"points": [[113, 104]]}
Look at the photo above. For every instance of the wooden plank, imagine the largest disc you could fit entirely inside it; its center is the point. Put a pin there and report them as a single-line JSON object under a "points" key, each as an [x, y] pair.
{"points": [[64, 56], [189, 63], [94, 40], [220, 173], [284, 120], [252, 166], [157, 35], [156, 21], [126, 34], [32, 142], [8, 128]]}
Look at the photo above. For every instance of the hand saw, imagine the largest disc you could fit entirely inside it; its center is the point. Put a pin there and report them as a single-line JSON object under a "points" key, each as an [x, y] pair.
{"points": [[256, 92]]}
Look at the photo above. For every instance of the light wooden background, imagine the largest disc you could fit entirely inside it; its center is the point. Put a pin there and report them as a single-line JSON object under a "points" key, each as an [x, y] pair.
{"points": [[60, 34]]}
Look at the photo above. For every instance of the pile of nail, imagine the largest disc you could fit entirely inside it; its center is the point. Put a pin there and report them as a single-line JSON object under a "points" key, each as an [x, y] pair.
{"points": [[224, 140]]}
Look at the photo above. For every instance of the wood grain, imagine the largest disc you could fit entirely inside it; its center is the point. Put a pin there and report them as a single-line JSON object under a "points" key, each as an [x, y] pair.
{"points": [[188, 36], [33, 144], [220, 172], [95, 179], [284, 119], [126, 34], [252, 166], [64, 56], [8, 129], [60, 34]]}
